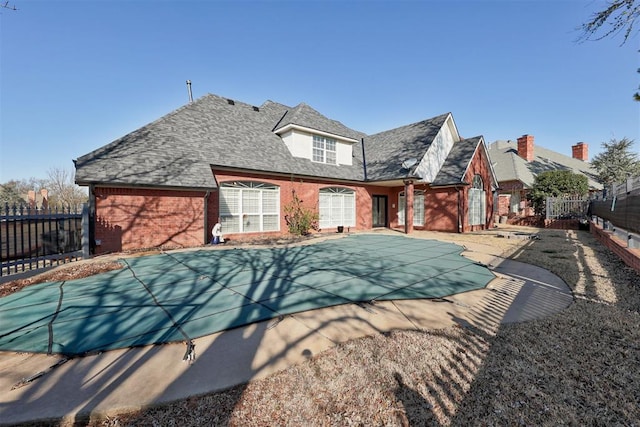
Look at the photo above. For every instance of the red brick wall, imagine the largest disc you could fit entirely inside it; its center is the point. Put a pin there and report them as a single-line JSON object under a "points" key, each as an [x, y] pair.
{"points": [[137, 218], [129, 219], [631, 257], [364, 214], [504, 204], [509, 186], [479, 166], [441, 209], [308, 190]]}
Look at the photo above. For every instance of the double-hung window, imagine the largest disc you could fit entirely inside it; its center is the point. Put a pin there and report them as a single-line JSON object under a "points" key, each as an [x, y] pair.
{"points": [[418, 208], [324, 149], [248, 206], [337, 207]]}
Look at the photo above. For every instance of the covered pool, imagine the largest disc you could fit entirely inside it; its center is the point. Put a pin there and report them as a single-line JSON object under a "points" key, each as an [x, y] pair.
{"points": [[178, 296]]}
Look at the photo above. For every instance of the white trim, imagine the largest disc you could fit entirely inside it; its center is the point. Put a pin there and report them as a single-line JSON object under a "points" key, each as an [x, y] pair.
{"points": [[292, 126], [416, 212], [334, 209], [438, 151], [234, 215]]}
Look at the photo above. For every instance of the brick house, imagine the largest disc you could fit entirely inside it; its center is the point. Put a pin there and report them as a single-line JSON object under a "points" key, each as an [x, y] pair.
{"points": [[167, 183], [517, 164]]}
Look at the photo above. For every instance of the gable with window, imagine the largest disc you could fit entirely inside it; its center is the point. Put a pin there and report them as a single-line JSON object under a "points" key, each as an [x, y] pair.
{"points": [[477, 202], [337, 207], [248, 206], [418, 208]]}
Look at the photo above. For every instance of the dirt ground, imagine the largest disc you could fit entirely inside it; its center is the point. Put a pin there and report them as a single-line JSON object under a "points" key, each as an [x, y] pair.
{"points": [[578, 367]]}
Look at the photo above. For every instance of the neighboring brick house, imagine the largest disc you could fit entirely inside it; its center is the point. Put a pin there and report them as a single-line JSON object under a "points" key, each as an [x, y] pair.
{"points": [[518, 163], [166, 184]]}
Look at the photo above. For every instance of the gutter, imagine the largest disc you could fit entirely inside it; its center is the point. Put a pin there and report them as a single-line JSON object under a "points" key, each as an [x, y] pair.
{"points": [[460, 227], [206, 216], [364, 159], [92, 220]]}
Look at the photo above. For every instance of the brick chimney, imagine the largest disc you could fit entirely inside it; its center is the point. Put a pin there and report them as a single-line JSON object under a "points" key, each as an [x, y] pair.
{"points": [[525, 147], [580, 151], [45, 198], [31, 197]]}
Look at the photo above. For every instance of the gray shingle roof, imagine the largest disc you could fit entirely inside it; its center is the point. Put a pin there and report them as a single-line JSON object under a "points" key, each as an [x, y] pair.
{"points": [[385, 151], [179, 149], [304, 115], [509, 166], [457, 163]]}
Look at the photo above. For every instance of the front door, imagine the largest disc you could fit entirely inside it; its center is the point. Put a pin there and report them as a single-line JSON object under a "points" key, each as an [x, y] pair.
{"points": [[379, 210]]}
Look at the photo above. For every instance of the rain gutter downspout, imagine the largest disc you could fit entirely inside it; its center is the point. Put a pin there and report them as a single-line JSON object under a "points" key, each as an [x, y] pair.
{"points": [[206, 216], [92, 219], [364, 159], [459, 188]]}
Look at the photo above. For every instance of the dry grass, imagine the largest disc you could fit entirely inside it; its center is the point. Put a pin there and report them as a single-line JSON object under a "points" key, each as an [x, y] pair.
{"points": [[579, 367], [65, 272]]}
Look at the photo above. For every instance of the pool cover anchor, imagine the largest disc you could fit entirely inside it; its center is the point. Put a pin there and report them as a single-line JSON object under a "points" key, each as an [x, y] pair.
{"points": [[366, 306], [190, 354], [275, 322]]}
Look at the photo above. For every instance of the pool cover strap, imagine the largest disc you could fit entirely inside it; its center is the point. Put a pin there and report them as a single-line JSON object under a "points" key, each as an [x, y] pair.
{"points": [[190, 353]]}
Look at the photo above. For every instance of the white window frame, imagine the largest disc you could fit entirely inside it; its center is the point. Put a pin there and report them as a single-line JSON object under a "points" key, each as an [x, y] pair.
{"points": [[337, 207], [237, 218], [477, 202], [418, 208], [514, 203], [324, 150]]}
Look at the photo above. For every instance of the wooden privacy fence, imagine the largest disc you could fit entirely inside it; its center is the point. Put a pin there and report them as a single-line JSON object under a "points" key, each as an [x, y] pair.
{"points": [[32, 238]]}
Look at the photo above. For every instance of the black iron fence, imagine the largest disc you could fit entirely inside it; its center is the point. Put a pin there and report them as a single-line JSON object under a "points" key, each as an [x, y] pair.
{"points": [[32, 238]]}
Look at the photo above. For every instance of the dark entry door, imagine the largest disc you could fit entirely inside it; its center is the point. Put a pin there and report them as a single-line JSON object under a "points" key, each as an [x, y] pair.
{"points": [[379, 211]]}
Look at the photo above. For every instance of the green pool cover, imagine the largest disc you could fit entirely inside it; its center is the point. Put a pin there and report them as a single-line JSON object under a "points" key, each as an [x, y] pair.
{"points": [[184, 295]]}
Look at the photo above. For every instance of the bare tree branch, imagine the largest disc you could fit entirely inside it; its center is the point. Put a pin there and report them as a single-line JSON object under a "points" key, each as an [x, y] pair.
{"points": [[63, 190], [619, 16]]}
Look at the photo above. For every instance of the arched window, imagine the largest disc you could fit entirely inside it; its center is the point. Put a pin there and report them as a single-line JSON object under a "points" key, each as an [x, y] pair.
{"points": [[418, 208], [477, 202], [248, 206], [337, 207]]}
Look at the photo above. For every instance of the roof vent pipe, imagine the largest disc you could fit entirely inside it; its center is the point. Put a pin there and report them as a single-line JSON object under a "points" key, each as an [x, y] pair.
{"points": [[189, 90]]}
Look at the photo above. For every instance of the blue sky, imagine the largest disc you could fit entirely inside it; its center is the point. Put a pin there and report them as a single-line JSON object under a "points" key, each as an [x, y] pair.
{"points": [[75, 75]]}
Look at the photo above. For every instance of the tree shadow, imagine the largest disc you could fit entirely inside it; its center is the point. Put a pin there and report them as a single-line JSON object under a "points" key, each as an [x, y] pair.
{"points": [[417, 411], [177, 308], [572, 365]]}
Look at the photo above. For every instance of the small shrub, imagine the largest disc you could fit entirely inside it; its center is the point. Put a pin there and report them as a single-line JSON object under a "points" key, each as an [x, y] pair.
{"points": [[300, 219]]}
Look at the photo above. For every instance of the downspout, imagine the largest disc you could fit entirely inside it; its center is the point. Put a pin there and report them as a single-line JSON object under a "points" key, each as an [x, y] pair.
{"points": [[459, 209], [364, 159], [406, 208], [206, 216], [92, 219]]}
